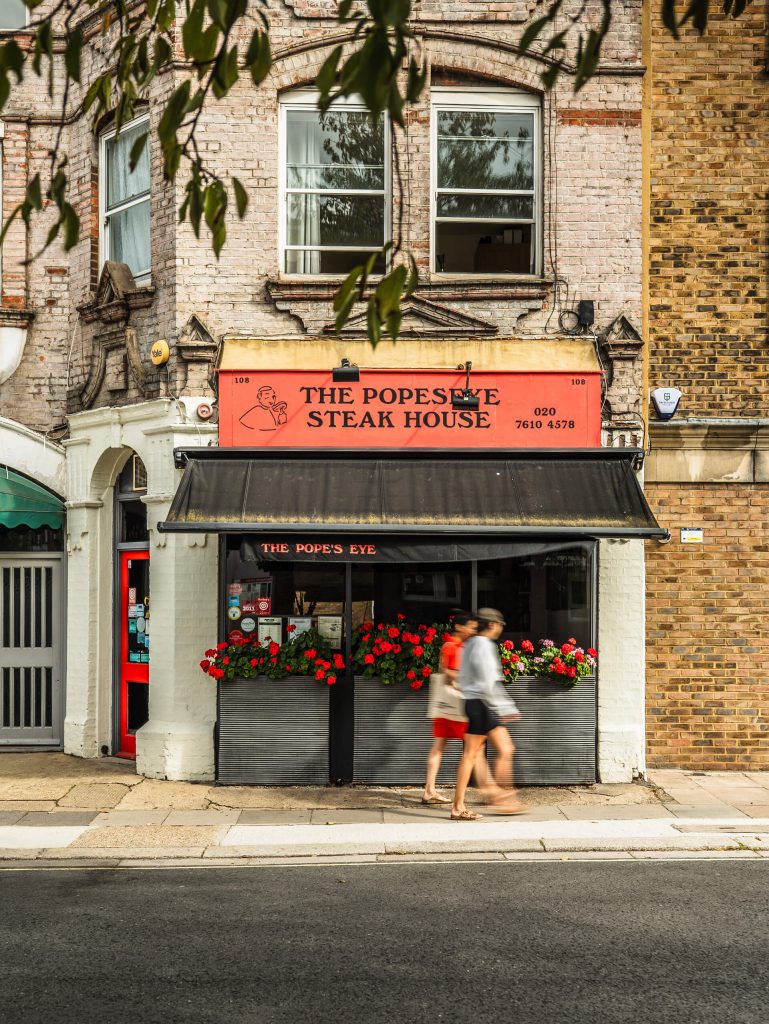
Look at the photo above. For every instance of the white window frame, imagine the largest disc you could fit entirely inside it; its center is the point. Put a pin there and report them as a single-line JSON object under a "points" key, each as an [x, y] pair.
{"points": [[307, 99], [105, 137], [489, 100], [19, 28]]}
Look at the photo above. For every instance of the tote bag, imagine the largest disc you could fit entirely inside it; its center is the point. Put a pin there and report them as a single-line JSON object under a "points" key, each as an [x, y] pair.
{"points": [[445, 701]]}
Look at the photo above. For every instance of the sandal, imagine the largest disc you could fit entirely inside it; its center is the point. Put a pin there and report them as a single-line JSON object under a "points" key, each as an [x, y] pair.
{"points": [[503, 808], [437, 799], [465, 816]]}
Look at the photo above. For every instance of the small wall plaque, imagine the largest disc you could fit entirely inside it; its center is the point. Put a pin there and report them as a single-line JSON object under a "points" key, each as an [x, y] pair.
{"points": [[692, 535]]}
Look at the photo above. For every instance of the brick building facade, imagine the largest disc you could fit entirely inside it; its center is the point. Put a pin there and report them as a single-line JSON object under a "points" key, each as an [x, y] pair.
{"points": [[708, 631], [91, 318]]}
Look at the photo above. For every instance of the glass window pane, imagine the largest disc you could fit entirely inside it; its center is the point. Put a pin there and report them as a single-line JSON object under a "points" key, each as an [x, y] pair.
{"points": [[340, 150], [122, 184], [477, 248], [13, 14], [475, 205], [545, 596], [335, 220], [480, 149], [129, 237], [328, 262]]}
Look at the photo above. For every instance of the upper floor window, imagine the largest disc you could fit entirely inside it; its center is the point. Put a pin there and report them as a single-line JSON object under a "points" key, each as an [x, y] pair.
{"points": [[13, 14], [486, 203], [125, 199], [335, 194]]}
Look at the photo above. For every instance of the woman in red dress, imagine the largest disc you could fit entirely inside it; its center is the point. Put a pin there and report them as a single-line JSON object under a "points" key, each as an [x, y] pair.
{"points": [[444, 729]]}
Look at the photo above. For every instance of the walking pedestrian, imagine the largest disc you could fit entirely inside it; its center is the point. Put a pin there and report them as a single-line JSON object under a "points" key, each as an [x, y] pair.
{"points": [[487, 706], [445, 729]]}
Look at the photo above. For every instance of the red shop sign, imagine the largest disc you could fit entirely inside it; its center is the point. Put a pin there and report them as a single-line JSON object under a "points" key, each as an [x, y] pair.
{"points": [[408, 409]]}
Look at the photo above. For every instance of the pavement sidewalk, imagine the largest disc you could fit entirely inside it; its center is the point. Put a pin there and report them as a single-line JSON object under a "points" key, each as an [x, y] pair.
{"points": [[58, 810]]}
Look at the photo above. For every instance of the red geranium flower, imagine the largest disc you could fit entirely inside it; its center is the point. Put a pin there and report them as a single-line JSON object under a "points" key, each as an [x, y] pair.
{"points": [[205, 665], [427, 671], [221, 646], [419, 650], [400, 617], [417, 684], [572, 640], [211, 653], [579, 656], [508, 645], [225, 661], [290, 628], [254, 663], [528, 646], [396, 648], [411, 674], [369, 659], [393, 632], [566, 648], [320, 674], [310, 652], [592, 652], [445, 637], [515, 658], [385, 646], [274, 648], [330, 680], [217, 673], [338, 661], [572, 671], [366, 637]]}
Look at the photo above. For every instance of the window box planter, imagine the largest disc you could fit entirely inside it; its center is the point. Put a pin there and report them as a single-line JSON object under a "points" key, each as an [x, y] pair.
{"points": [[273, 732], [555, 740]]}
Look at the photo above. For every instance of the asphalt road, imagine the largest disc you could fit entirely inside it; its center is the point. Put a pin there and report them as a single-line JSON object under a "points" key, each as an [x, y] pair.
{"points": [[642, 942]]}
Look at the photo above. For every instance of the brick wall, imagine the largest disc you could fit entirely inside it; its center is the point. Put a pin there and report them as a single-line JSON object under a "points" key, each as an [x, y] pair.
{"points": [[708, 629], [709, 255]]}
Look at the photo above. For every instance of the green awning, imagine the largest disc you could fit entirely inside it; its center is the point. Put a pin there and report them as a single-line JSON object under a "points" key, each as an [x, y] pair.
{"points": [[25, 503]]}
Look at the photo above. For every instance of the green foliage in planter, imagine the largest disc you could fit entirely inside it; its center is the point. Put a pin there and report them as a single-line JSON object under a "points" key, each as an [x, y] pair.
{"points": [[306, 654]]}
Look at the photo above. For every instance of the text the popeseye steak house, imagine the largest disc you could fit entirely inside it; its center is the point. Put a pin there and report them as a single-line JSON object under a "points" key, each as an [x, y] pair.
{"points": [[408, 409]]}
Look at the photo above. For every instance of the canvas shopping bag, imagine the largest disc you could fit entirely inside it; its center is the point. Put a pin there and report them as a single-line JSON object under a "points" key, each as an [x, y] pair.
{"points": [[445, 701]]}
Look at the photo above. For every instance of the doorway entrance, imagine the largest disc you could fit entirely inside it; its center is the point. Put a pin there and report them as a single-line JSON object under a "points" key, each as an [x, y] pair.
{"points": [[132, 608]]}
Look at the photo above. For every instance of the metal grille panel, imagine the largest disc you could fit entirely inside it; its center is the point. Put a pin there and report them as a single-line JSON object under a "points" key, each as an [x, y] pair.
{"points": [[273, 732], [555, 740], [31, 650]]}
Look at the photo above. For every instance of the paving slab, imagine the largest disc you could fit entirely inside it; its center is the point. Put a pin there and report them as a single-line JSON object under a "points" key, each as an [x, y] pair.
{"points": [[743, 828], [616, 813], [17, 837], [404, 815], [753, 810], [95, 795], [346, 816], [208, 817], [744, 797], [460, 845], [304, 797], [27, 805], [113, 819], [54, 764], [48, 818], [543, 855], [152, 794], [149, 837], [35, 789], [699, 811], [402, 858], [10, 817], [277, 816]]}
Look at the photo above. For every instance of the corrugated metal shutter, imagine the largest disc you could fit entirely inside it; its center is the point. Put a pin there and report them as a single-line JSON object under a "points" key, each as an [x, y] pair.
{"points": [[393, 736], [273, 732], [555, 740]]}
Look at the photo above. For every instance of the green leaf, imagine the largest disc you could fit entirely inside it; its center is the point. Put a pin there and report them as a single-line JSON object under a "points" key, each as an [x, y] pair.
{"points": [[72, 53], [373, 323], [241, 197], [327, 75], [199, 44], [532, 33], [225, 73], [71, 223], [259, 56], [347, 288], [389, 289], [343, 11]]}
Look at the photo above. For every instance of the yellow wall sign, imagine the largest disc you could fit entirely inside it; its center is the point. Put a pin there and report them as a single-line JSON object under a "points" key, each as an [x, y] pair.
{"points": [[159, 352]]}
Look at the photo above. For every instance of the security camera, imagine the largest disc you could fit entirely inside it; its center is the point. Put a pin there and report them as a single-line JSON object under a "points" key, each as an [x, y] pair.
{"points": [[665, 402]]}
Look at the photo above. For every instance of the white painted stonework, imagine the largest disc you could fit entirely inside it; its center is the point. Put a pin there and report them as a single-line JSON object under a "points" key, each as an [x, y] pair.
{"points": [[32, 454], [177, 741], [621, 665]]}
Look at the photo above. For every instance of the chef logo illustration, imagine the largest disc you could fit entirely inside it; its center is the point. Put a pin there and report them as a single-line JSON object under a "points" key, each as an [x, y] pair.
{"points": [[267, 414]]}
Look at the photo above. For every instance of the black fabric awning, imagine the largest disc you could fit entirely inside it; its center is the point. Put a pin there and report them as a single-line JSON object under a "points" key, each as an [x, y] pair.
{"points": [[589, 493]]}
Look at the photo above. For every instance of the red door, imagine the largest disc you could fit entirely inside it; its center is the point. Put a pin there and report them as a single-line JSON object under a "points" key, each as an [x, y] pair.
{"points": [[134, 648]]}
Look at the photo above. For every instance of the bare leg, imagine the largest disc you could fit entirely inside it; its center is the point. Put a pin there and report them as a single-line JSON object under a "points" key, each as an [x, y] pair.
{"points": [[433, 766], [504, 791], [473, 747]]}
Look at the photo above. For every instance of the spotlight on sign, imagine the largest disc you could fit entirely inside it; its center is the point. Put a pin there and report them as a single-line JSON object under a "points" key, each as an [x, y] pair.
{"points": [[347, 373], [465, 399]]}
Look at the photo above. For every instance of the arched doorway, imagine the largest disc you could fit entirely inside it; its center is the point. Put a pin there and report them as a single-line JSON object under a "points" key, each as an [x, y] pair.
{"points": [[132, 611]]}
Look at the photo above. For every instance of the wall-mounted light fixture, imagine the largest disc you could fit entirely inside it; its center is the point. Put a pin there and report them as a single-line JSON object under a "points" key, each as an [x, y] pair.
{"points": [[465, 399], [347, 373]]}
